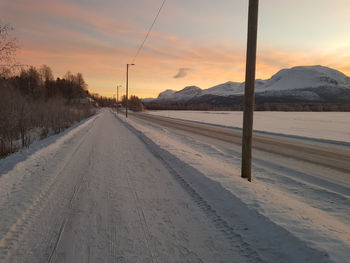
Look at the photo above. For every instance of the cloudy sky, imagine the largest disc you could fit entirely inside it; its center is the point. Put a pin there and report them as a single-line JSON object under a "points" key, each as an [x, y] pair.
{"points": [[197, 42]]}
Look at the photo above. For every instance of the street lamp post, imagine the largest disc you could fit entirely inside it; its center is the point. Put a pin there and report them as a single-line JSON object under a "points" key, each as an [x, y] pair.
{"points": [[127, 88], [249, 90], [118, 98]]}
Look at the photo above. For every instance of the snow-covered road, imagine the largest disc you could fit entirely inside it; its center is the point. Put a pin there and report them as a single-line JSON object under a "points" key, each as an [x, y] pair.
{"points": [[104, 192], [98, 195], [317, 125]]}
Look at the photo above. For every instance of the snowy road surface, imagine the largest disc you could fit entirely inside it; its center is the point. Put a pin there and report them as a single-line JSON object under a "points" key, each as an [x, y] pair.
{"points": [[102, 192], [322, 125], [101, 197], [330, 157]]}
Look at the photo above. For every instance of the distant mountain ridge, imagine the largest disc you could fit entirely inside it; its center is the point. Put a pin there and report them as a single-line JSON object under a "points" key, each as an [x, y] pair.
{"points": [[297, 84]]}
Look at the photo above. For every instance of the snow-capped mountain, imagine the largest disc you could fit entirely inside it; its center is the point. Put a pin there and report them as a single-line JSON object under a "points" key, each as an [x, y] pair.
{"points": [[225, 89], [297, 84], [166, 94], [302, 83], [231, 88], [305, 77], [178, 96]]}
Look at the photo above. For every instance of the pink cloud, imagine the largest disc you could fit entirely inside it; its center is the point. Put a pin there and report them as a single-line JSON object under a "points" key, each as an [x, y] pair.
{"points": [[64, 48]]}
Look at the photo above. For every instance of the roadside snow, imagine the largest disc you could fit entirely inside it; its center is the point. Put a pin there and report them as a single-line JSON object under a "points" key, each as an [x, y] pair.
{"points": [[321, 125], [312, 213]]}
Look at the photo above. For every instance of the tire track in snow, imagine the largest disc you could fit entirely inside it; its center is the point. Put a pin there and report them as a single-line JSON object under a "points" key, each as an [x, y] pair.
{"points": [[112, 227], [142, 219], [58, 240], [10, 241], [66, 218], [114, 254], [76, 190], [112, 231], [235, 239]]}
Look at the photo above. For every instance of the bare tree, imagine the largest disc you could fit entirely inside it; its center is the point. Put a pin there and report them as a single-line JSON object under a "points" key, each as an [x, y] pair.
{"points": [[47, 79], [80, 81], [123, 101], [8, 48], [135, 103], [32, 102], [31, 83], [46, 73]]}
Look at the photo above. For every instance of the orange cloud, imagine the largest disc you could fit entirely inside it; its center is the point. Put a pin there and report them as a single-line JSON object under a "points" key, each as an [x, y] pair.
{"points": [[102, 53], [155, 67]]}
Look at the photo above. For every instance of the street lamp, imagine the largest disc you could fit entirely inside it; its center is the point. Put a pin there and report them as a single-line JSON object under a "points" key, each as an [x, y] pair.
{"points": [[118, 97], [127, 89]]}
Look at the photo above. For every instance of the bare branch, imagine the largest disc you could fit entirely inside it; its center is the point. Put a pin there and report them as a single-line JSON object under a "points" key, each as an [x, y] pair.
{"points": [[8, 48]]}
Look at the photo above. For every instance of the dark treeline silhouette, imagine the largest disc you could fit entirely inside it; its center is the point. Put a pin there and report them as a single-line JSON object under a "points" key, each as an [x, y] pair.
{"points": [[34, 104], [134, 103], [185, 106], [305, 106], [104, 101], [39, 84]]}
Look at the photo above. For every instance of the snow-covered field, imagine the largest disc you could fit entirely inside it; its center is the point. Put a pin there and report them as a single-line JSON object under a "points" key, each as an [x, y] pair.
{"points": [[321, 125]]}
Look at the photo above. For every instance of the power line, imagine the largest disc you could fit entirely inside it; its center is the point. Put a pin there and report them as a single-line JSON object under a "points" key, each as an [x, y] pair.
{"points": [[149, 31]]}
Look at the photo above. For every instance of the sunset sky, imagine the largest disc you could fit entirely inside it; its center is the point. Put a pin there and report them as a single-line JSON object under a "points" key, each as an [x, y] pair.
{"points": [[197, 42]]}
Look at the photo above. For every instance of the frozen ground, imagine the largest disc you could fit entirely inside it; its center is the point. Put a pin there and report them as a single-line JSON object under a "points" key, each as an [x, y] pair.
{"points": [[321, 125], [116, 190]]}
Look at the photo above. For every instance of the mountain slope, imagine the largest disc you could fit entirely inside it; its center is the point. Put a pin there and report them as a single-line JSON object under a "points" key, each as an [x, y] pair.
{"points": [[179, 96], [225, 89], [166, 94], [305, 77], [297, 84]]}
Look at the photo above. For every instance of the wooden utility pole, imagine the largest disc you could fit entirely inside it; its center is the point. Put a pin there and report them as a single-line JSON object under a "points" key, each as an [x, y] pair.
{"points": [[127, 88], [246, 171]]}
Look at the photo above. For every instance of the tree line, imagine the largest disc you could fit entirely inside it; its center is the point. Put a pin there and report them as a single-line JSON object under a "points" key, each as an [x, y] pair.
{"points": [[300, 106], [34, 104], [134, 102]]}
